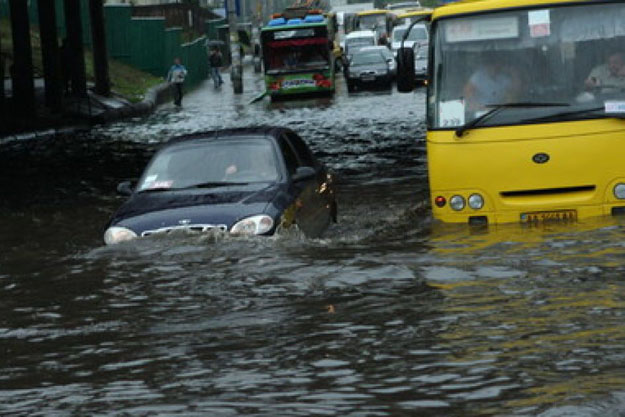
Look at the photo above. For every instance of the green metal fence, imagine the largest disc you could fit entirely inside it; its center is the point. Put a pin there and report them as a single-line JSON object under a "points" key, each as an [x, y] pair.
{"points": [[33, 12], [147, 41], [144, 43], [117, 18], [4, 9], [194, 56]]}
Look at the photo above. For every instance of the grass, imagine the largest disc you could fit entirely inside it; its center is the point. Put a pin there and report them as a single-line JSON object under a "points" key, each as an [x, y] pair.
{"points": [[126, 81]]}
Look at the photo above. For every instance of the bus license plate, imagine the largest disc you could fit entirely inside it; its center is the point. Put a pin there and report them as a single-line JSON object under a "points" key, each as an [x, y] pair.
{"points": [[549, 216]]}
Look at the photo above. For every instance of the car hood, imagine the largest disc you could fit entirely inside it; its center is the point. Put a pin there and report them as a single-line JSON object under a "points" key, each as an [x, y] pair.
{"points": [[223, 206]]}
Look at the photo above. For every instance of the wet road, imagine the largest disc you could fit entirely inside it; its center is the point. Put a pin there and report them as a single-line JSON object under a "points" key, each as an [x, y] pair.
{"points": [[388, 315]]}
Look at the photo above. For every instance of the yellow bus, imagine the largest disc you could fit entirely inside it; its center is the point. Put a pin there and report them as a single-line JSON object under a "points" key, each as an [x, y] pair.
{"points": [[405, 17], [525, 110], [378, 20]]}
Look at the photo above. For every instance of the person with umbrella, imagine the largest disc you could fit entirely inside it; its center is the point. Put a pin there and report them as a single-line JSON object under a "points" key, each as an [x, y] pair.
{"points": [[215, 61]]}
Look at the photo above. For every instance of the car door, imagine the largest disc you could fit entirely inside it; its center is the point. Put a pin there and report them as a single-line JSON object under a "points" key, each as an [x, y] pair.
{"points": [[314, 210]]}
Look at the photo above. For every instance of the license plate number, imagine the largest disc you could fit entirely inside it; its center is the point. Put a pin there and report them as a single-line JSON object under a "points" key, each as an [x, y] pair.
{"points": [[368, 78], [549, 216]]}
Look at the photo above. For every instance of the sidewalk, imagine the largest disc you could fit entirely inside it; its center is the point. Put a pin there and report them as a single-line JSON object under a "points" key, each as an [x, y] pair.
{"points": [[79, 113]]}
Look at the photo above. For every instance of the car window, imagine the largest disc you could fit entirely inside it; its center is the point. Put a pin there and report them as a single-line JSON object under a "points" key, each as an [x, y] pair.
{"points": [[368, 58], [189, 164], [302, 150], [290, 159]]}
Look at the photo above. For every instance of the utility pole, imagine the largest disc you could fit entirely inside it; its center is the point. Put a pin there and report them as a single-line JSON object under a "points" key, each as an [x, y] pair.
{"points": [[50, 55], [22, 75], [76, 55], [236, 65], [100, 55], [257, 24], [3, 112]]}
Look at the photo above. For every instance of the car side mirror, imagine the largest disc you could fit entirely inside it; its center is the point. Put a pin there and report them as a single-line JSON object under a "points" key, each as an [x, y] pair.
{"points": [[405, 70], [124, 188], [303, 174]]}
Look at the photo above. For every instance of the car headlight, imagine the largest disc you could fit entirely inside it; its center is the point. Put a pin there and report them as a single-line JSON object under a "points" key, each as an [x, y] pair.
{"points": [[476, 201], [255, 225], [457, 202], [116, 234], [619, 191]]}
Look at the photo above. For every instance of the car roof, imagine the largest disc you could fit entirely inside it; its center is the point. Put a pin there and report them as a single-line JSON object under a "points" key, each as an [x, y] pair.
{"points": [[269, 132], [374, 48], [364, 51], [360, 33]]}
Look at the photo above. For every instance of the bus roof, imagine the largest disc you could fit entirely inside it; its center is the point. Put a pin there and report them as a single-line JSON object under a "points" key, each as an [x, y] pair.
{"points": [[475, 6], [294, 26], [412, 13], [371, 12]]}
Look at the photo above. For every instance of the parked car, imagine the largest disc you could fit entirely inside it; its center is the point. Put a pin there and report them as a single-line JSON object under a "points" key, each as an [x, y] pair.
{"points": [[241, 181], [388, 55], [368, 68], [418, 34]]}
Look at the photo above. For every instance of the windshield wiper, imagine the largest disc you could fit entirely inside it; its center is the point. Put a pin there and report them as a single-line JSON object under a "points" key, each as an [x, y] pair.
{"points": [[214, 184], [566, 115], [496, 108]]}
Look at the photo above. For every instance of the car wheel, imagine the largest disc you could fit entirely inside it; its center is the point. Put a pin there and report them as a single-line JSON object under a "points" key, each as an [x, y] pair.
{"points": [[350, 87]]}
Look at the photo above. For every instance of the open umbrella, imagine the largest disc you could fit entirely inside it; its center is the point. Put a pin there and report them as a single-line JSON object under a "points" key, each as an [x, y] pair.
{"points": [[214, 42]]}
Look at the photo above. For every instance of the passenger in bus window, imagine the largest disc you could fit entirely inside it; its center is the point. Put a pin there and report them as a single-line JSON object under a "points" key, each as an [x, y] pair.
{"points": [[608, 76], [492, 83]]}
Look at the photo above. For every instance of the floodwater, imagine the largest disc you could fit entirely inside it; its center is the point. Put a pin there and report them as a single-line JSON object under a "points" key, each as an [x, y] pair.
{"points": [[390, 314]]}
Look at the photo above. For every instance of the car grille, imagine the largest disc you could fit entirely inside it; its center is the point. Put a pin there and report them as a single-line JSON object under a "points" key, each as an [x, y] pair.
{"points": [[199, 228]]}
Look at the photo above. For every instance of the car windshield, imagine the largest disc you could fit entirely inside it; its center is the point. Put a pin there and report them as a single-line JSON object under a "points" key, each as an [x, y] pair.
{"points": [[297, 54], [211, 163], [418, 33], [368, 58], [372, 21], [572, 55], [355, 43]]}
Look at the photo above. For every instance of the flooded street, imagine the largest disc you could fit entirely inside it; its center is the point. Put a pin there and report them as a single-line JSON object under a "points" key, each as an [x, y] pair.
{"points": [[389, 314]]}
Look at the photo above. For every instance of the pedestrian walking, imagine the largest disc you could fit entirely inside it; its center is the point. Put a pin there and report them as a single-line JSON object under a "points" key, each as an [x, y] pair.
{"points": [[215, 61], [175, 78]]}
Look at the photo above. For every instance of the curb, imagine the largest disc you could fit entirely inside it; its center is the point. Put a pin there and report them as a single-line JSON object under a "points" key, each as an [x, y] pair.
{"points": [[153, 97]]}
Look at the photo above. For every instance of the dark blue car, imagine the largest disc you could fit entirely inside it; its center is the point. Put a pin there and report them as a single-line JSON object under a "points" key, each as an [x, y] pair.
{"points": [[249, 181]]}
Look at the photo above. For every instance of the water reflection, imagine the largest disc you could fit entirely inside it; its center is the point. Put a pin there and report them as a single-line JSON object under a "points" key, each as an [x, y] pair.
{"points": [[390, 313]]}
